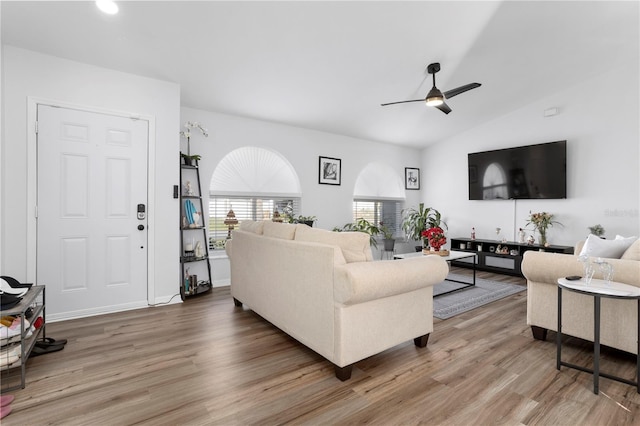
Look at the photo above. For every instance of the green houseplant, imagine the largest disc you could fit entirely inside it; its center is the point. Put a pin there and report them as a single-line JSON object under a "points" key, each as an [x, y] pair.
{"points": [[415, 221], [387, 235], [307, 220], [362, 225], [188, 159]]}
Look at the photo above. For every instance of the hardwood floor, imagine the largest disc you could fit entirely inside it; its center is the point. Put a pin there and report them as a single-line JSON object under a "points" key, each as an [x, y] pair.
{"points": [[208, 362]]}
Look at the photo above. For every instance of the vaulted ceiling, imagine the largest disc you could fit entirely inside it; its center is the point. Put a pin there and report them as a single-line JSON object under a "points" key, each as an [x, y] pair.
{"points": [[329, 65]]}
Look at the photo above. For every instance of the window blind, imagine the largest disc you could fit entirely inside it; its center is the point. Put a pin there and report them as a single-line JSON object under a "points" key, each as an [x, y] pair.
{"points": [[389, 212], [244, 208]]}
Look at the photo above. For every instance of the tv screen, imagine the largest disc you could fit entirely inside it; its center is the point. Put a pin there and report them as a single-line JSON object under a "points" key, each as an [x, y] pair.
{"points": [[525, 172]]}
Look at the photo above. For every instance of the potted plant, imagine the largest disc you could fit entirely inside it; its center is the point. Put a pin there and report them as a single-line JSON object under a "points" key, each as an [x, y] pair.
{"points": [[387, 237], [435, 237], [415, 221], [597, 230], [362, 225], [188, 159], [307, 220]]}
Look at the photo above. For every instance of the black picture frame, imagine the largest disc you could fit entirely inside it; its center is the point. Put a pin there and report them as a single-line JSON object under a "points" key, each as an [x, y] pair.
{"points": [[411, 178], [473, 174], [329, 171]]}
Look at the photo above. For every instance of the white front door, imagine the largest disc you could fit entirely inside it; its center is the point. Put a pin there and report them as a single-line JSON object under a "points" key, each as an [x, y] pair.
{"points": [[91, 244]]}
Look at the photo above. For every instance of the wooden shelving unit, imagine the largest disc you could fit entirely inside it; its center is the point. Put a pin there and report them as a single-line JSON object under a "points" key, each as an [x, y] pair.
{"points": [[194, 247]]}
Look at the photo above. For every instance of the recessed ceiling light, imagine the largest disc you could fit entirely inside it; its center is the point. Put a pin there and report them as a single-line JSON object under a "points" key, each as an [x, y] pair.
{"points": [[107, 6]]}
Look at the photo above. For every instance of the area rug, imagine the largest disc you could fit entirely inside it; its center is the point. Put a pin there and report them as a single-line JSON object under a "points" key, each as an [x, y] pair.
{"points": [[484, 292]]}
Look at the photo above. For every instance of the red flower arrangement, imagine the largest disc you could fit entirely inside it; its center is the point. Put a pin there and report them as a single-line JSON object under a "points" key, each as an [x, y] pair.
{"points": [[435, 236]]}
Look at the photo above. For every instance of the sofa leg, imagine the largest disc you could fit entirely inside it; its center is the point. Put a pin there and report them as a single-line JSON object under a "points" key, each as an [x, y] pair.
{"points": [[421, 341], [343, 373], [237, 303], [539, 333]]}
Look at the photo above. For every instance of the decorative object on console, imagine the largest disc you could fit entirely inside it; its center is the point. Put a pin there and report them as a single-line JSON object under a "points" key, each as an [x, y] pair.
{"points": [[541, 221], [531, 240], [230, 221], [411, 178], [473, 233], [277, 217], [499, 236], [597, 230], [521, 236]]}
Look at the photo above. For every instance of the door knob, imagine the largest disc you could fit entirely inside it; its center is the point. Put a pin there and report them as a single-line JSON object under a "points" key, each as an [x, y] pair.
{"points": [[140, 227]]}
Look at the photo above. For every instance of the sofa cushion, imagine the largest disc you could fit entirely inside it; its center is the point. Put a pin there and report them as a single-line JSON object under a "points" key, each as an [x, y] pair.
{"points": [[354, 245], [633, 252], [252, 226], [284, 231], [612, 249]]}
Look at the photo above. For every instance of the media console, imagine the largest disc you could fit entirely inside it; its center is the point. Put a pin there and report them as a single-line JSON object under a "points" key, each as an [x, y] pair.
{"points": [[496, 256]]}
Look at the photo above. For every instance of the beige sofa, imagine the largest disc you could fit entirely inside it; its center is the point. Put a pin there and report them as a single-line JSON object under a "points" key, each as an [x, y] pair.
{"points": [[323, 289], [618, 317]]}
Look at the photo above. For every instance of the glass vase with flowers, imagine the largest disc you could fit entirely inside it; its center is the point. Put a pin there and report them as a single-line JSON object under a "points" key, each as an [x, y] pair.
{"points": [[541, 222]]}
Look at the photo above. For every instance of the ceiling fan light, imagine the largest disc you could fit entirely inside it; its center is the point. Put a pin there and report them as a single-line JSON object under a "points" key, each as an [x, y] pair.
{"points": [[434, 97]]}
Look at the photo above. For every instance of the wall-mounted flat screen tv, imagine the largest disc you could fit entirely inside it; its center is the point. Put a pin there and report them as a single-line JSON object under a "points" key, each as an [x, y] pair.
{"points": [[524, 172]]}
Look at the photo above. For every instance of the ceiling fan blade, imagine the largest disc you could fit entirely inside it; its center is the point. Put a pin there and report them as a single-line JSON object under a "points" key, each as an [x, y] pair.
{"points": [[402, 102], [454, 92], [444, 108]]}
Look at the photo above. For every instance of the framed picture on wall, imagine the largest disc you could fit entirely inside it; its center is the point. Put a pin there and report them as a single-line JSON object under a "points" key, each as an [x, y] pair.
{"points": [[411, 178], [329, 171]]}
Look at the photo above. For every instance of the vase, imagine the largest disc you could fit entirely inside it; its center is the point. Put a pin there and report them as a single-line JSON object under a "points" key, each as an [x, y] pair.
{"points": [[543, 236]]}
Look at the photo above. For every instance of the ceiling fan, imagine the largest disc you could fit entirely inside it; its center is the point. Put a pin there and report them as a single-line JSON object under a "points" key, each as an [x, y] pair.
{"points": [[435, 97]]}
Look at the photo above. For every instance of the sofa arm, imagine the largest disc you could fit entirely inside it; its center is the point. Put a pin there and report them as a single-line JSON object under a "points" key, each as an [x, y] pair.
{"points": [[544, 267], [364, 281]]}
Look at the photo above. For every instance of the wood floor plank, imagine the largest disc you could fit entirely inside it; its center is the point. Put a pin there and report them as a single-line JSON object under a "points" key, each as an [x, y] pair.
{"points": [[207, 362]]}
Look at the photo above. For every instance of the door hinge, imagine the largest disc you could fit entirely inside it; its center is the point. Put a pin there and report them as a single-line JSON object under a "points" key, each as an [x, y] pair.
{"points": [[35, 127], [35, 212]]}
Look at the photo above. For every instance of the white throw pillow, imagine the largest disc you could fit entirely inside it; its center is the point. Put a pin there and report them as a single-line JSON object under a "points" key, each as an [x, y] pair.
{"points": [[612, 249]]}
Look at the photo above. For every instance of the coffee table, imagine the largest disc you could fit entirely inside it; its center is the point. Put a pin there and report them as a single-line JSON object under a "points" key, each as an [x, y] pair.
{"points": [[598, 289], [453, 255]]}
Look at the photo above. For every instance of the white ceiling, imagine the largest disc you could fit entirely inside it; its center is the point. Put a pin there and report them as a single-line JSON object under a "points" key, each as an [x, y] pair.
{"points": [[329, 65]]}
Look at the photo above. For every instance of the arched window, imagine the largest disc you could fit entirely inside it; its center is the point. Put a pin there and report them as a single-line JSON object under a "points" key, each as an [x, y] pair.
{"points": [[254, 182], [379, 196], [494, 183]]}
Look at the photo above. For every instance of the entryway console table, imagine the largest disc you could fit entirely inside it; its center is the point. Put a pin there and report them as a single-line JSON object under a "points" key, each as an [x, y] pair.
{"points": [[598, 289], [496, 256]]}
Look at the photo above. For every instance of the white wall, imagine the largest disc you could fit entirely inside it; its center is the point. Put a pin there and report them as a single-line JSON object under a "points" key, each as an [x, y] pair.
{"points": [[600, 121], [331, 204], [29, 74]]}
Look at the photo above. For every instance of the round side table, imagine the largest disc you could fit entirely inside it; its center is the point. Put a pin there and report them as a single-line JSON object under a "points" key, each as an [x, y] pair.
{"points": [[598, 289]]}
